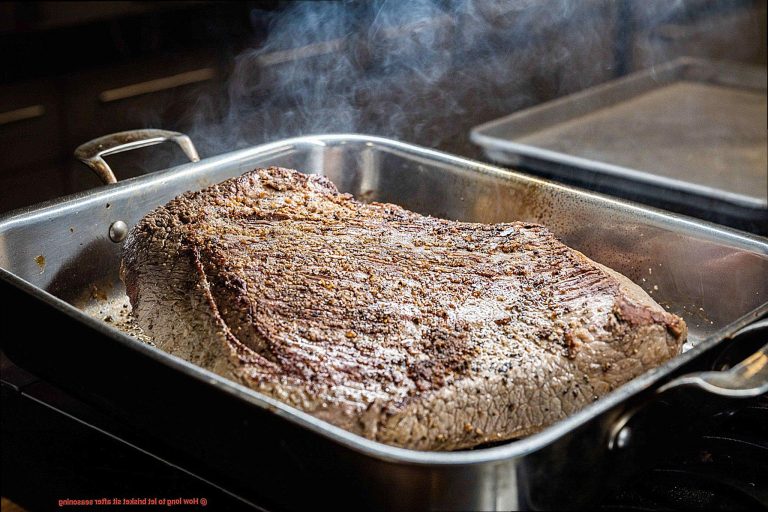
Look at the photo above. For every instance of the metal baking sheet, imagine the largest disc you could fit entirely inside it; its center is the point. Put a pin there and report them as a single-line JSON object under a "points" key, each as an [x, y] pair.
{"points": [[690, 125], [57, 259]]}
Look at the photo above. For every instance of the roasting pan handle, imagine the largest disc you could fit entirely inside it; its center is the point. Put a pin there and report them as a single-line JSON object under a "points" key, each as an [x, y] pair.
{"points": [[92, 153], [747, 379]]}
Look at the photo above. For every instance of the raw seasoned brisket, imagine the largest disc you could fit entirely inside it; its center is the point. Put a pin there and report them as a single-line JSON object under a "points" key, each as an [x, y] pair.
{"points": [[409, 330]]}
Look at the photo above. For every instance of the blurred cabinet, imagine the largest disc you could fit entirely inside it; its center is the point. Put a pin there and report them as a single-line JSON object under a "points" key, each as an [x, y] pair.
{"points": [[718, 30], [43, 121], [141, 94], [30, 123], [31, 137]]}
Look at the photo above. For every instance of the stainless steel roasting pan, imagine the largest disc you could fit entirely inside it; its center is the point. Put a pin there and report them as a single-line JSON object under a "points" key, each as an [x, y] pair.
{"points": [[60, 263]]}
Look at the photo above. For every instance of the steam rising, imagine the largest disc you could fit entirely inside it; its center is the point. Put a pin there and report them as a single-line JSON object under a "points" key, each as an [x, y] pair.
{"points": [[406, 70], [424, 71]]}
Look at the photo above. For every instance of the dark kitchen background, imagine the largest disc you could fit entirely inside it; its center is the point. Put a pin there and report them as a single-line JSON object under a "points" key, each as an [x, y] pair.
{"points": [[235, 74]]}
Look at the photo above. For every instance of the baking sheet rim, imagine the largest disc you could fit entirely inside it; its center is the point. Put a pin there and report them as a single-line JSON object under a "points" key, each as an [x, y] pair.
{"points": [[517, 149]]}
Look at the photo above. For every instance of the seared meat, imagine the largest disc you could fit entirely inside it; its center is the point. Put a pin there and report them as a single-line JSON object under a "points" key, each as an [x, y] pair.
{"points": [[409, 330]]}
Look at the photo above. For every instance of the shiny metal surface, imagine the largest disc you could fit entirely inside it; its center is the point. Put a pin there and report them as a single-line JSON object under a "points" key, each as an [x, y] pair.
{"points": [[690, 125], [747, 379], [714, 277], [118, 230], [92, 153]]}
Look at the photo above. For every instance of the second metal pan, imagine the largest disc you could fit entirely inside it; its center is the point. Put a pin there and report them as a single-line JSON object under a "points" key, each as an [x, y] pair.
{"points": [[687, 136]]}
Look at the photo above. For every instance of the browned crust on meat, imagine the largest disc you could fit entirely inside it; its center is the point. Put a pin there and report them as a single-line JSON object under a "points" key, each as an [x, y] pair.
{"points": [[375, 318], [637, 315]]}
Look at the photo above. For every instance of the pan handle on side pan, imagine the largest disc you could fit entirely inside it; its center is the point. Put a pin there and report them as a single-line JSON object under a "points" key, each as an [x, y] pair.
{"points": [[687, 403], [92, 153]]}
